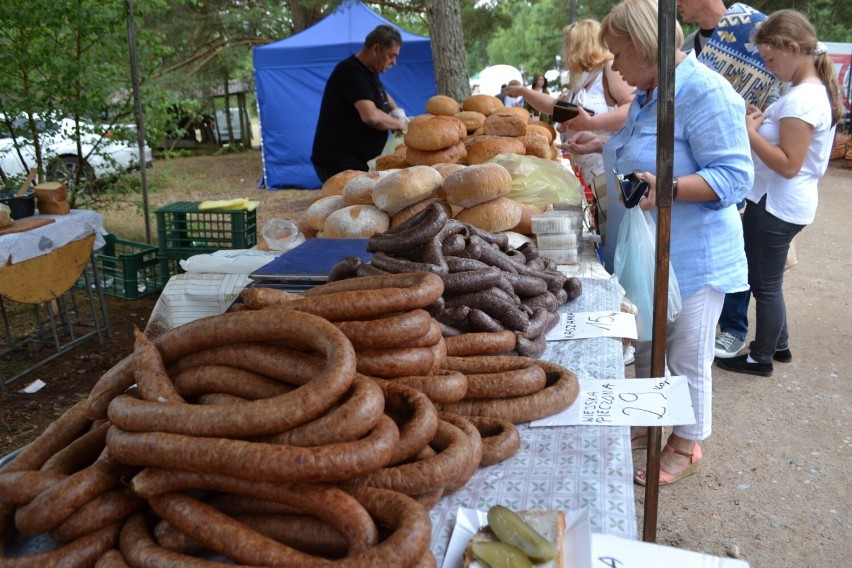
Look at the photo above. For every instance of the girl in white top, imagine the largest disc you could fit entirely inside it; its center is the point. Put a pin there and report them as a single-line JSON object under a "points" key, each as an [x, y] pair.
{"points": [[791, 143]]}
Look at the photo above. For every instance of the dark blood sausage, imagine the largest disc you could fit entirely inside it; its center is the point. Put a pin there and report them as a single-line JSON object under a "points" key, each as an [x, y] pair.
{"points": [[504, 312], [529, 250], [480, 343], [455, 315], [367, 269], [470, 281], [480, 322], [526, 285], [433, 255], [463, 264], [453, 245], [531, 347], [546, 300], [257, 461], [561, 296], [448, 330], [396, 265], [417, 230], [574, 287], [500, 438], [499, 239], [346, 267]]}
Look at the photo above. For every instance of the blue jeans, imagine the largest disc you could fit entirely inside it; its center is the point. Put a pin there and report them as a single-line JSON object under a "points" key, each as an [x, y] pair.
{"points": [[767, 241], [734, 318]]}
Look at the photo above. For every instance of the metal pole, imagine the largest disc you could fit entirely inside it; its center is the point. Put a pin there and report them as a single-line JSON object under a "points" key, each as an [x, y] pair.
{"points": [[665, 159], [137, 108]]}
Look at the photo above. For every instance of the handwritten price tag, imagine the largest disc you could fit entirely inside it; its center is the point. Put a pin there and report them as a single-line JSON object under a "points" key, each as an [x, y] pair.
{"points": [[582, 325], [637, 402], [614, 552]]}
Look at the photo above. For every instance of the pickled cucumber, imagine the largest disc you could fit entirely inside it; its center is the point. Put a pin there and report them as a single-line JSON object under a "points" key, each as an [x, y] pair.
{"points": [[511, 529], [500, 555]]}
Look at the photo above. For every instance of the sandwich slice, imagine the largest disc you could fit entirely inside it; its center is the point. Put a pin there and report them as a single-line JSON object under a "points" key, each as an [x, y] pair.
{"points": [[549, 524]]}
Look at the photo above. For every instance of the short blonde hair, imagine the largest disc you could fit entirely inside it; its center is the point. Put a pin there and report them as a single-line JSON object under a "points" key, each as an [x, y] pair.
{"points": [[636, 21], [582, 49]]}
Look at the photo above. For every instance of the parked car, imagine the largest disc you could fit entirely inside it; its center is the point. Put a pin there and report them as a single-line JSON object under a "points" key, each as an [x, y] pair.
{"points": [[104, 155]]}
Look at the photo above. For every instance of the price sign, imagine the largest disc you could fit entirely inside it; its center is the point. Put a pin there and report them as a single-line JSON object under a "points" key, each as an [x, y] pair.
{"points": [[637, 402], [614, 552], [582, 325]]}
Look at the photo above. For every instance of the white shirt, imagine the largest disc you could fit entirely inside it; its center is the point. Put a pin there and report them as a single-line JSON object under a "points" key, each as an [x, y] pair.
{"points": [[592, 97], [795, 200]]}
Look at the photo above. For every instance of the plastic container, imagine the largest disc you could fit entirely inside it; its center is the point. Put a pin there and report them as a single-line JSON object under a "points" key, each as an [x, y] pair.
{"points": [[556, 242], [555, 222], [560, 256], [22, 207], [184, 230], [128, 269]]}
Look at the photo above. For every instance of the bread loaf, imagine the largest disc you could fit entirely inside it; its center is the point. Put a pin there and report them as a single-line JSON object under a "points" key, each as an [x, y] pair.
{"points": [[334, 185], [486, 104], [54, 208], [320, 209], [359, 189], [401, 188], [355, 222], [453, 154], [51, 191], [393, 161], [507, 122], [416, 208], [486, 147], [477, 184], [501, 214], [442, 105], [432, 132], [472, 119]]}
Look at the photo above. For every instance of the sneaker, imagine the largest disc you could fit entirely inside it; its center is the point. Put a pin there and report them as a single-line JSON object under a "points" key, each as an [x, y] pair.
{"points": [[741, 365], [728, 345], [629, 358], [783, 356]]}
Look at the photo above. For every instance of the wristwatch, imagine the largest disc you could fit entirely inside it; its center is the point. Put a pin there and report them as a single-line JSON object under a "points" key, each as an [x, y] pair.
{"points": [[674, 189]]}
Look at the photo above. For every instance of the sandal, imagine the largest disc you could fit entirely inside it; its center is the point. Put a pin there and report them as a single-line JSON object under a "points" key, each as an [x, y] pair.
{"points": [[639, 442], [669, 478]]}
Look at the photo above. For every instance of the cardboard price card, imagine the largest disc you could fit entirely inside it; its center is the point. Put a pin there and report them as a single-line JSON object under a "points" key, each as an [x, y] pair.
{"points": [[637, 402], [583, 325]]}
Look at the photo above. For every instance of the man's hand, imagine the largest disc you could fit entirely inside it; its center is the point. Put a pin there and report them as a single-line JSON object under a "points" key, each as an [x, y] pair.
{"points": [[399, 114]]}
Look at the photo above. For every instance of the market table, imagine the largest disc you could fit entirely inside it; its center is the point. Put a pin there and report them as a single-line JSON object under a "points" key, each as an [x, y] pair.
{"points": [[39, 268], [566, 467]]}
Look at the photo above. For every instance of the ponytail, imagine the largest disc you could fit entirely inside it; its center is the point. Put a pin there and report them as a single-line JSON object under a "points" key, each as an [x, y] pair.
{"points": [[825, 70]]}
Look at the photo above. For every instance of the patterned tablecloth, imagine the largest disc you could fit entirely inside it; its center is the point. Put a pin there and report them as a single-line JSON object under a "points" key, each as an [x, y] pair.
{"points": [[78, 223], [567, 467]]}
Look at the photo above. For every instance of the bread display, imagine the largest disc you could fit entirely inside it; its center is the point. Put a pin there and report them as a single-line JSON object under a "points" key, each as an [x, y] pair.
{"points": [[335, 184], [477, 184], [454, 154], [316, 214], [401, 188], [472, 119], [359, 189], [443, 105], [485, 104], [494, 216], [433, 132], [505, 122], [355, 222], [483, 148]]}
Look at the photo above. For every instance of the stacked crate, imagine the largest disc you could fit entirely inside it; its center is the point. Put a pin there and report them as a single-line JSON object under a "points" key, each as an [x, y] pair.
{"points": [[184, 230]]}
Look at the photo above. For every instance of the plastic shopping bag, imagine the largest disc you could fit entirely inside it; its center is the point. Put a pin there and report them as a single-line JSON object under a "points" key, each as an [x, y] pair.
{"points": [[635, 259], [538, 181]]}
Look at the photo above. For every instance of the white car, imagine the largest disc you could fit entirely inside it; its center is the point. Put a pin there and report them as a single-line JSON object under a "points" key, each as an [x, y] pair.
{"points": [[103, 155]]}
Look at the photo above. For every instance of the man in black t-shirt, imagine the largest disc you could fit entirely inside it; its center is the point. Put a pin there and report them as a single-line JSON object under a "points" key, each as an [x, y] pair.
{"points": [[356, 112]]}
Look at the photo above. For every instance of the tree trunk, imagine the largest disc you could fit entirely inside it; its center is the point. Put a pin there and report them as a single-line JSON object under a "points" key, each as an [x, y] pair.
{"points": [[448, 51]]}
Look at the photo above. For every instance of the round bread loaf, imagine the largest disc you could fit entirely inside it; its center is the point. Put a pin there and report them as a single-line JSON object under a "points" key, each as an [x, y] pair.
{"points": [[442, 105], [355, 222], [486, 147], [359, 190], [401, 188], [536, 145], [477, 184], [396, 160], [486, 104], [524, 226], [335, 184], [497, 215], [505, 122], [432, 132], [451, 155], [446, 169], [412, 210], [538, 127], [472, 120], [320, 209], [520, 111]]}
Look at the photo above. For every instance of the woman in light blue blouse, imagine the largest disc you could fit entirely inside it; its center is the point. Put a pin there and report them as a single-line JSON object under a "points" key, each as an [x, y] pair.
{"points": [[713, 171]]}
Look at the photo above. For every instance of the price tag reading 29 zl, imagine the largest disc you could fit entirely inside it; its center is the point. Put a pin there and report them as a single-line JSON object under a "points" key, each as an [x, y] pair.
{"points": [[583, 325]]}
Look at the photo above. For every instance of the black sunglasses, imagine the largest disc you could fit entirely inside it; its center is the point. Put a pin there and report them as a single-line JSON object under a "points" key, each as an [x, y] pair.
{"points": [[632, 188]]}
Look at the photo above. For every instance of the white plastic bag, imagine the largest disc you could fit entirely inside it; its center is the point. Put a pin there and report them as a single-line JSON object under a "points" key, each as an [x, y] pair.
{"points": [[635, 260], [281, 234]]}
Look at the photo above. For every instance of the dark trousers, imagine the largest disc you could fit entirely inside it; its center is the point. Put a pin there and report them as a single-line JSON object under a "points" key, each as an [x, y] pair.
{"points": [[767, 240]]}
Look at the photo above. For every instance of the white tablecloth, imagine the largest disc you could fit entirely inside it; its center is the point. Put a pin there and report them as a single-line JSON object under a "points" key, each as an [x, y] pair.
{"points": [[79, 223], [566, 467]]}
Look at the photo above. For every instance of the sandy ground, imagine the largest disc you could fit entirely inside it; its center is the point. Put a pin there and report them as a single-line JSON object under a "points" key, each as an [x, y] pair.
{"points": [[774, 486]]}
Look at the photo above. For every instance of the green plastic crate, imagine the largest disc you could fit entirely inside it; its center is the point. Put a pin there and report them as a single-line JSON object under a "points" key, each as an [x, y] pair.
{"points": [[128, 269], [182, 228]]}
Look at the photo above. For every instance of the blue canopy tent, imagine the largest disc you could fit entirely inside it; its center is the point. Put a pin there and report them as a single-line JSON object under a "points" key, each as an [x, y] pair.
{"points": [[290, 77]]}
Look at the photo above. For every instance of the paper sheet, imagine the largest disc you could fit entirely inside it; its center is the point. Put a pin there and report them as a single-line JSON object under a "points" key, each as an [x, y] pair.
{"points": [[637, 402], [584, 325], [611, 551]]}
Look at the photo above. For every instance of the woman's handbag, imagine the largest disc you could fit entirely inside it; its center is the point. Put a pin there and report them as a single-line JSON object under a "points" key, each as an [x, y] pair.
{"points": [[635, 260]]}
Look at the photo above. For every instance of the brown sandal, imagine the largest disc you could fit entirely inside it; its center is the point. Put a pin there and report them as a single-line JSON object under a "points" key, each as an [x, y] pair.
{"points": [[669, 478]]}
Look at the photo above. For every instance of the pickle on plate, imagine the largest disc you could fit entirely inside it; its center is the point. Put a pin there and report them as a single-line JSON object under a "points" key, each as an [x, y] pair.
{"points": [[511, 529], [500, 555]]}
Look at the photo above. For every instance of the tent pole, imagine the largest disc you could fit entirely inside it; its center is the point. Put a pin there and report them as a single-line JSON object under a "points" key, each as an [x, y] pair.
{"points": [[137, 108], [665, 160]]}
